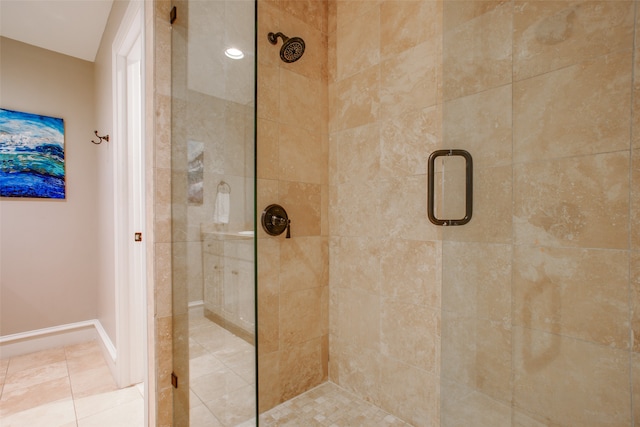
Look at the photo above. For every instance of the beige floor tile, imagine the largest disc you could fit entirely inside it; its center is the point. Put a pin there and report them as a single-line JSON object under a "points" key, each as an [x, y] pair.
{"points": [[92, 405], [56, 414], [35, 360], [201, 416], [235, 407], [92, 381], [20, 399], [127, 415], [4, 364], [34, 376], [204, 365]]}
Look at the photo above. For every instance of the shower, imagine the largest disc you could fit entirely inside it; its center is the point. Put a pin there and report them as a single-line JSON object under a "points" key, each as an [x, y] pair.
{"points": [[292, 48]]}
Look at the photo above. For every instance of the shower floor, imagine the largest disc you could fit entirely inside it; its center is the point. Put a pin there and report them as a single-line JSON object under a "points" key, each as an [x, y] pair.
{"points": [[328, 405]]}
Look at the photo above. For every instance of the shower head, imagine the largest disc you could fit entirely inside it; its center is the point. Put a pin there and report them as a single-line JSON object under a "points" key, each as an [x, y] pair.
{"points": [[292, 48]]}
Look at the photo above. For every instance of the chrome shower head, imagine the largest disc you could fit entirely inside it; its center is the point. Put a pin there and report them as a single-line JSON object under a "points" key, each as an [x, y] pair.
{"points": [[292, 48]]}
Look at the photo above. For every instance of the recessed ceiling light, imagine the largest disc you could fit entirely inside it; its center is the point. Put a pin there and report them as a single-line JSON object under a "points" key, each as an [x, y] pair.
{"points": [[234, 53]]}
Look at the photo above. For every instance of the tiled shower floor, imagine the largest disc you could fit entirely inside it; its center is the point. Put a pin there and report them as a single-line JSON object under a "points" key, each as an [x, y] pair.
{"points": [[328, 405]]}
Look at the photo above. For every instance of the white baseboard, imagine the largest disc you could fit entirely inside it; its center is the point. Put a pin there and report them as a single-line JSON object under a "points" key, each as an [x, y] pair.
{"points": [[57, 336]]}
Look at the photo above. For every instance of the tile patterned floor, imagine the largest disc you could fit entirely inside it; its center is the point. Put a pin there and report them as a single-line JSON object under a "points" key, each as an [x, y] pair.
{"points": [[222, 375], [331, 406], [66, 387]]}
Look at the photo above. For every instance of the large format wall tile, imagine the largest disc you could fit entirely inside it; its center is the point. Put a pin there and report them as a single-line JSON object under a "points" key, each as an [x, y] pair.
{"points": [[481, 124], [635, 301], [409, 80], [578, 110], [594, 390], [578, 201], [635, 200], [355, 101], [354, 52], [476, 280], [407, 140], [477, 51], [358, 154], [463, 406], [549, 35], [405, 24], [580, 293], [355, 262]]}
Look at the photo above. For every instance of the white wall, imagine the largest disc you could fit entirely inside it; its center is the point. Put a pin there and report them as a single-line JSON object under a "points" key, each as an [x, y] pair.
{"points": [[49, 259]]}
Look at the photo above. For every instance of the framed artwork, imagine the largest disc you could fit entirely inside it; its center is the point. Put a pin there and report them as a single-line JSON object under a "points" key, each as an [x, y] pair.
{"points": [[31, 155]]}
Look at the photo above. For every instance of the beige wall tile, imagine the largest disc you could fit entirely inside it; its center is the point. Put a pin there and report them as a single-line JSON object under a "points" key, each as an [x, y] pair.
{"points": [[405, 24], [595, 385], [407, 140], [302, 368], [358, 315], [358, 370], [358, 154], [552, 35], [581, 201], [355, 53], [403, 209], [635, 301], [301, 104], [304, 263], [409, 333], [476, 280], [554, 116], [356, 210], [409, 272], [303, 155], [355, 101], [303, 205], [635, 386], [268, 149], [635, 119], [355, 263], [350, 10], [409, 80], [477, 51], [462, 406], [409, 393], [268, 323], [479, 121], [313, 12], [300, 316], [580, 293], [268, 17], [635, 200], [268, 98], [269, 387], [492, 208]]}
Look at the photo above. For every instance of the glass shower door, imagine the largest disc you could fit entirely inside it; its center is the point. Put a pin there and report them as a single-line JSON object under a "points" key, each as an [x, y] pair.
{"points": [[536, 296], [213, 182]]}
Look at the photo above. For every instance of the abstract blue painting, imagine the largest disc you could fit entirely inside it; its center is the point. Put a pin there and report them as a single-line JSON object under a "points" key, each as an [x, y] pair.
{"points": [[31, 155]]}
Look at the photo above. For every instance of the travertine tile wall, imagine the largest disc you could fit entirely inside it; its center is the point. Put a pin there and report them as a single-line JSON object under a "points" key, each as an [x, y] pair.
{"points": [[159, 211], [292, 153], [385, 119], [537, 324]]}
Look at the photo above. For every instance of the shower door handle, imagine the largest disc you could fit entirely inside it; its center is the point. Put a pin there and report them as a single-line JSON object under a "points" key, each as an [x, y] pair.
{"points": [[468, 187]]}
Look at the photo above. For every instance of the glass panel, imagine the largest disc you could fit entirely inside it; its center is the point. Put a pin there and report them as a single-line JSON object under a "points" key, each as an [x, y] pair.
{"points": [[213, 183], [535, 301]]}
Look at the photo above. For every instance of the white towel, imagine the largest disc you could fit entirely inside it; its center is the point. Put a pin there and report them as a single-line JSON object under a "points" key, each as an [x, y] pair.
{"points": [[221, 208]]}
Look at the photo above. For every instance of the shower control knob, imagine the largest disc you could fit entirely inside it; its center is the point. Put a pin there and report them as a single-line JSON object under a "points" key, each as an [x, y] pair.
{"points": [[275, 220]]}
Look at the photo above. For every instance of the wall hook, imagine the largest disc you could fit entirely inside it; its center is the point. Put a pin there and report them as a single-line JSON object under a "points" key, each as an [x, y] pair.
{"points": [[101, 138]]}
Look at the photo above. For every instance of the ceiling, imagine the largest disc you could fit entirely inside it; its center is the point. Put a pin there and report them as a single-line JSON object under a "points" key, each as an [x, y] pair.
{"points": [[70, 27]]}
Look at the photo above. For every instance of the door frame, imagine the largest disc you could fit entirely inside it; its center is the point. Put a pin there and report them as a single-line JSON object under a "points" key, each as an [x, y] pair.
{"points": [[128, 71]]}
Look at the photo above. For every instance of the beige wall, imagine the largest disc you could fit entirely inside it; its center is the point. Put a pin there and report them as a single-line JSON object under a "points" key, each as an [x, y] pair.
{"points": [[50, 251], [104, 124], [292, 152], [385, 255]]}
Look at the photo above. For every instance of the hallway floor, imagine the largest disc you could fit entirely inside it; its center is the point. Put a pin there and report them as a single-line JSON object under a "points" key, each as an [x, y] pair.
{"points": [[66, 387]]}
